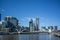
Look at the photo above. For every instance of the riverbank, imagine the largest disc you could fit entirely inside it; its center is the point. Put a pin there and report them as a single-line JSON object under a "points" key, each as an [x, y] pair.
{"points": [[56, 34], [14, 33], [40, 36]]}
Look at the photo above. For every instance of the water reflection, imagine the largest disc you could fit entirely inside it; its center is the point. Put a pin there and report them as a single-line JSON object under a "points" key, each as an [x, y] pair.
{"points": [[34, 37], [9, 37], [40, 36], [52, 37], [29, 37]]}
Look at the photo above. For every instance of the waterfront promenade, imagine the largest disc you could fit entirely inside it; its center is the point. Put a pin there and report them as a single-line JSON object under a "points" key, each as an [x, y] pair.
{"points": [[56, 34], [35, 32]]}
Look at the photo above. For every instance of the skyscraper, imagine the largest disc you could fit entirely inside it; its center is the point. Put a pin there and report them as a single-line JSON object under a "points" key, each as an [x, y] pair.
{"points": [[12, 23], [31, 25], [37, 24], [12, 20], [55, 28]]}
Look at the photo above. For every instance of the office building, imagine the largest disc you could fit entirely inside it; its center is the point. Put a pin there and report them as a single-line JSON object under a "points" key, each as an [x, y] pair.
{"points": [[12, 20], [2, 25], [55, 28], [12, 23], [31, 25], [37, 24]]}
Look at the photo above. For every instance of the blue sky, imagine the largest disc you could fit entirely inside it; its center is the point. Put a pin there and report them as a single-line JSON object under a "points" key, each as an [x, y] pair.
{"points": [[48, 11]]}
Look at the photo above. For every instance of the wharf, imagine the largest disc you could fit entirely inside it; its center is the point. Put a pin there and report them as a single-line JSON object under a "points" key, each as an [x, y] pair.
{"points": [[57, 34]]}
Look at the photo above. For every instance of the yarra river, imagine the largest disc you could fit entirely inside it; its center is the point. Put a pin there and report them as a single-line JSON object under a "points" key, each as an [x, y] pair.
{"points": [[40, 36]]}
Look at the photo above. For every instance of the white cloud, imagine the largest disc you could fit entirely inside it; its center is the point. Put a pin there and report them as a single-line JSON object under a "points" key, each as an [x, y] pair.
{"points": [[27, 19], [34, 19], [43, 18]]}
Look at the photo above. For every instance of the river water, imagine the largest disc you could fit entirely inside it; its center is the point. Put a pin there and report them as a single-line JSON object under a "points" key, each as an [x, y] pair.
{"points": [[41, 36]]}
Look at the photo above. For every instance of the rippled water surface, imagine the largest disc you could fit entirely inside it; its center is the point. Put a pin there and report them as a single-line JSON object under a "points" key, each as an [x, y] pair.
{"points": [[41, 36]]}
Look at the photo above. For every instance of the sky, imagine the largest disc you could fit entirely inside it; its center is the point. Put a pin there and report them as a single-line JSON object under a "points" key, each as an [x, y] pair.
{"points": [[48, 11]]}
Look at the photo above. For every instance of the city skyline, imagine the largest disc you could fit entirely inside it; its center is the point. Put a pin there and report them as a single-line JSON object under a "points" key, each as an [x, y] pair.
{"points": [[47, 11]]}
